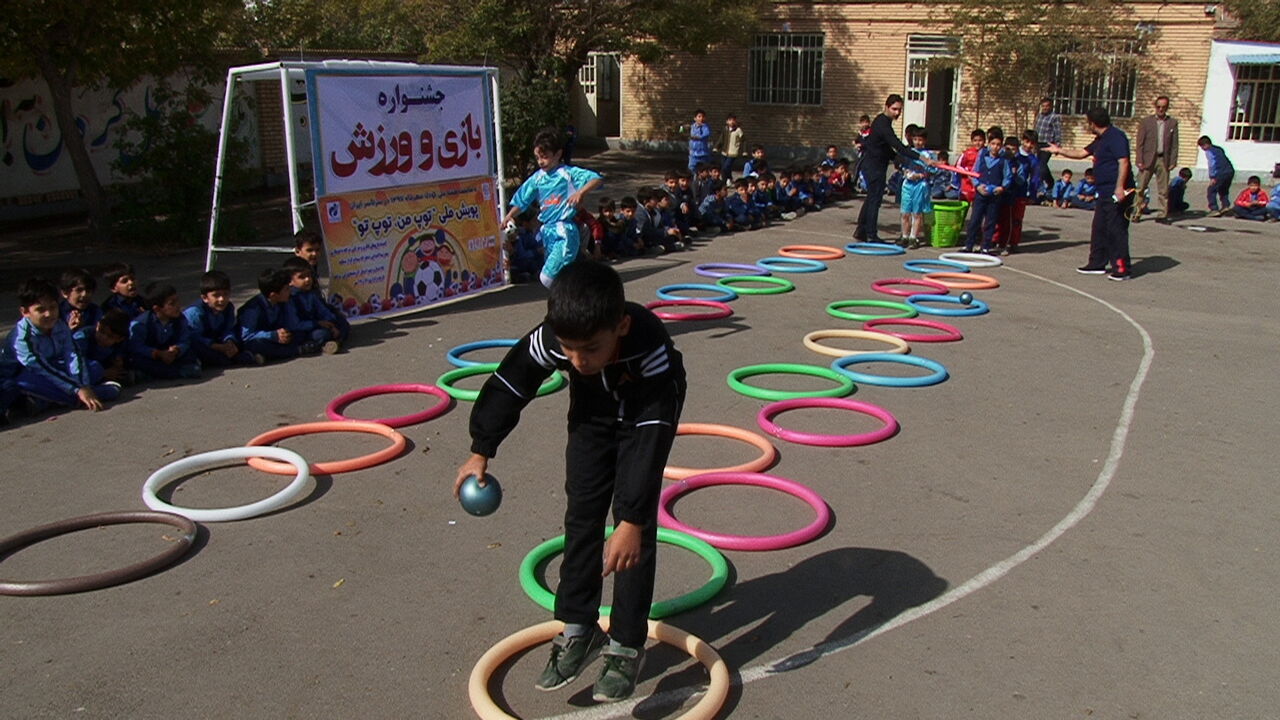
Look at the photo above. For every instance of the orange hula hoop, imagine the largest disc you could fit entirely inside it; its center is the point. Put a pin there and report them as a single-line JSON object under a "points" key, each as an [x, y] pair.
{"points": [[811, 252], [948, 279], [768, 453], [333, 467]]}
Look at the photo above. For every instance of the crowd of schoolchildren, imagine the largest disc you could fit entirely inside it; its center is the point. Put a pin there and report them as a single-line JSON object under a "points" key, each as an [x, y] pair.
{"points": [[695, 203], [67, 350]]}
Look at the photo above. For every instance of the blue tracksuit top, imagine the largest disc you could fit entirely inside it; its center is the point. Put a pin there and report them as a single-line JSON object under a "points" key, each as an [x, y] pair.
{"points": [[1063, 190], [1219, 164], [147, 333], [208, 327], [1086, 189], [310, 310], [260, 319], [1027, 168], [131, 306], [993, 171], [551, 190], [51, 355], [739, 208], [699, 136], [712, 210], [89, 316]]}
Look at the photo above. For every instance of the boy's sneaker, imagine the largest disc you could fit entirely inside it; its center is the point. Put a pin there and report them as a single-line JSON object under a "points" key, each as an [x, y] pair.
{"points": [[789, 216], [569, 657], [329, 347], [1120, 276], [1086, 270], [677, 245], [259, 359], [1006, 250], [618, 677], [308, 348]]}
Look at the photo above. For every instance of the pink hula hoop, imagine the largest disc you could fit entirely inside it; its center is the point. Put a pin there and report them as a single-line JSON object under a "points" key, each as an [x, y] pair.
{"points": [[765, 420], [434, 411], [950, 332], [726, 541], [935, 288], [722, 310]]}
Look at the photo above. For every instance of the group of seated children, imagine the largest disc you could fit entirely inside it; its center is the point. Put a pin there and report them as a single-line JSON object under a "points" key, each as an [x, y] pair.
{"points": [[1253, 203], [66, 350]]}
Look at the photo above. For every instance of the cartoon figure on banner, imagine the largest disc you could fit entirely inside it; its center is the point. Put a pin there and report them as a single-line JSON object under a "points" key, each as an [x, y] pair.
{"points": [[428, 269]]}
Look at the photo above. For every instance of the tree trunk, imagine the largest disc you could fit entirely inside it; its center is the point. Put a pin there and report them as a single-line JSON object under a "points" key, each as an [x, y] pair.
{"points": [[73, 142]]}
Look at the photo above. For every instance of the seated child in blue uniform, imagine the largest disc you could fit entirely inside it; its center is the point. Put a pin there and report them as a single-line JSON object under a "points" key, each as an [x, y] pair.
{"points": [[39, 358], [787, 197], [307, 245], [1178, 192], [715, 215], [763, 199], [212, 319], [1064, 191], [742, 211], [316, 320], [108, 345], [1086, 192], [123, 282], [77, 308], [525, 250], [160, 338], [803, 185], [267, 322]]}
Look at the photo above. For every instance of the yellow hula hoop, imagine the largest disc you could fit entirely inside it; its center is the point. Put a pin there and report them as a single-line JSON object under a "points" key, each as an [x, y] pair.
{"points": [[900, 346], [974, 281], [478, 684]]}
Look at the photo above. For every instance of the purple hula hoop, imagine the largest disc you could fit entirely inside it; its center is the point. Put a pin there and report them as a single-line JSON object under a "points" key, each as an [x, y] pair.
{"points": [[746, 542], [711, 270], [765, 420]]}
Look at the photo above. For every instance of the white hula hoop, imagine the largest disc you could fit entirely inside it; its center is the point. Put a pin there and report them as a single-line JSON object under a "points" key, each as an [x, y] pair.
{"points": [[973, 260], [178, 468]]}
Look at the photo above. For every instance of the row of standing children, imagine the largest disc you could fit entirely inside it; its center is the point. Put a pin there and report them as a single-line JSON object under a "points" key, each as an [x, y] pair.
{"points": [[1008, 181], [67, 350]]}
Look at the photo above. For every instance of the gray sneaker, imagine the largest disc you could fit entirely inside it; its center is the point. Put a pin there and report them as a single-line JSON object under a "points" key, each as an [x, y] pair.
{"points": [[569, 657], [618, 678]]}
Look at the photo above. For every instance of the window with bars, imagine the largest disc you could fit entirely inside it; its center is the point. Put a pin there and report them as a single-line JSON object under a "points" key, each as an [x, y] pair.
{"points": [[1114, 85], [785, 69], [587, 76], [1255, 113]]}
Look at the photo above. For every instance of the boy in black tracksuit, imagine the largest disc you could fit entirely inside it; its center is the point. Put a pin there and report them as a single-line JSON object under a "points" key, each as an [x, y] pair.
{"points": [[627, 385]]}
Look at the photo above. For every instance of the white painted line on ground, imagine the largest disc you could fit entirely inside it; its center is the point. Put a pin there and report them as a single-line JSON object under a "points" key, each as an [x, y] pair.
{"points": [[981, 580]]}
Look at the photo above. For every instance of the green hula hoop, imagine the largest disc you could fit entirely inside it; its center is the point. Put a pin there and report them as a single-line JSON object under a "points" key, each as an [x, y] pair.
{"points": [[904, 310], [844, 387], [733, 282], [538, 592], [446, 381]]}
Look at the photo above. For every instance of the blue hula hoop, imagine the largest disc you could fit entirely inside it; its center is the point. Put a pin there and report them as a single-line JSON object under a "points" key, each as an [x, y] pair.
{"points": [[723, 294], [977, 307], [874, 248], [455, 355], [923, 265], [938, 371], [797, 265]]}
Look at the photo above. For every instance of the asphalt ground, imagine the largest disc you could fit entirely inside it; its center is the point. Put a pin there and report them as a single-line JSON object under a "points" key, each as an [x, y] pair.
{"points": [[1077, 523]]}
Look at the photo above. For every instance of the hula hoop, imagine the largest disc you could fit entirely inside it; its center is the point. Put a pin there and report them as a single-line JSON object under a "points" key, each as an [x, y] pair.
{"points": [[446, 381], [962, 281], [791, 265], [811, 252], [872, 248], [724, 294], [726, 541], [767, 451], [213, 458], [721, 310], [973, 260], [976, 307], [780, 285], [765, 419], [332, 467], [535, 587], [811, 342], [937, 373], [844, 384], [951, 332], [903, 310], [493, 658], [62, 586], [434, 411], [922, 265], [454, 356], [734, 270], [934, 287]]}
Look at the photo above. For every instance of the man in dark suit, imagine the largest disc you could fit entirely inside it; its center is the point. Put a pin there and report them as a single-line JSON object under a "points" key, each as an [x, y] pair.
{"points": [[1157, 155]]}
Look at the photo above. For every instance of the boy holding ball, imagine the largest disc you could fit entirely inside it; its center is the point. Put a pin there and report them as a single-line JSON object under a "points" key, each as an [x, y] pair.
{"points": [[627, 385]]}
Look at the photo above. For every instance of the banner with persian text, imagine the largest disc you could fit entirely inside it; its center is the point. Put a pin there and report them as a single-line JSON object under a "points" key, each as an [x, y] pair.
{"points": [[390, 250], [404, 128]]}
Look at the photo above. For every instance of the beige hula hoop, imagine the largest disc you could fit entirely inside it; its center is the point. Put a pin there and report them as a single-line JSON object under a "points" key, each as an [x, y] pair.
{"points": [[963, 281], [900, 346], [707, 707]]}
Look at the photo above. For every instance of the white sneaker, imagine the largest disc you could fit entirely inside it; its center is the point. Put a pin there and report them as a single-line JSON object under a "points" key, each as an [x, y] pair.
{"points": [[789, 216]]}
